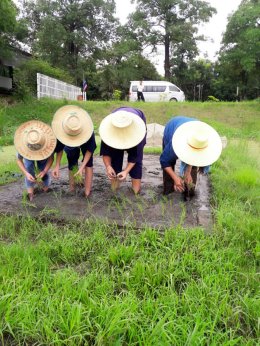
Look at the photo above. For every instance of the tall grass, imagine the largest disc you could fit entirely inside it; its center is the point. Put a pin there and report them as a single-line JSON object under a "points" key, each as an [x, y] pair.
{"points": [[78, 285], [87, 283], [91, 284]]}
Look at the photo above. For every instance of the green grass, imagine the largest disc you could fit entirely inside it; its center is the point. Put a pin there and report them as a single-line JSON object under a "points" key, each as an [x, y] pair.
{"points": [[230, 118], [85, 283], [78, 285]]}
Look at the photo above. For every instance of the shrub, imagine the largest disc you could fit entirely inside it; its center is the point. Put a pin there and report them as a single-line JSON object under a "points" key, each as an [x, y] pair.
{"points": [[213, 99], [25, 77], [117, 94]]}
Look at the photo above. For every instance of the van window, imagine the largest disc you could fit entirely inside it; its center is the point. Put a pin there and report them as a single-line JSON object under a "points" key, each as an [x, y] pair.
{"points": [[151, 88], [173, 88], [159, 88], [148, 88]]}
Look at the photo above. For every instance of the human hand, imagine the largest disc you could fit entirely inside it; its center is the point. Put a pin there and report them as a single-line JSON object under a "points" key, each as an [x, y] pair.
{"points": [[30, 177], [110, 172], [188, 178], [79, 173], [122, 175], [40, 175], [56, 173], [178, 184]]}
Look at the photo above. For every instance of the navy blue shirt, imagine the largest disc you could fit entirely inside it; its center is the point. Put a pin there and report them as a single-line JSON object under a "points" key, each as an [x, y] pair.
{"points": [[59, 147], [168, 155], [90, 145], [135, 154]]}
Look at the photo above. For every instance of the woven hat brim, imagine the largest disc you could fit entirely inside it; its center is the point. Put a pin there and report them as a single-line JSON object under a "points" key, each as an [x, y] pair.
{"points": [[45, 151], [122, 138], [62, 136], [196, 157]]}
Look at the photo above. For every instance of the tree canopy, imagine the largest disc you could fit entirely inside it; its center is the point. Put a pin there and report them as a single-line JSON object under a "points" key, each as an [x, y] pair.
{"points": [[65, 31], [239, 62], [169, 23], [11, 29], [86, 40]]}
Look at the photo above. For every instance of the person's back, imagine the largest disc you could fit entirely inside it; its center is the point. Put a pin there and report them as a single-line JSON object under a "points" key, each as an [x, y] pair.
{"points": [[123, 130]]}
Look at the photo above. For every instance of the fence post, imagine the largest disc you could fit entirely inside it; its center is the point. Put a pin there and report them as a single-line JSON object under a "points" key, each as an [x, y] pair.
{"points": [[38, 85]]}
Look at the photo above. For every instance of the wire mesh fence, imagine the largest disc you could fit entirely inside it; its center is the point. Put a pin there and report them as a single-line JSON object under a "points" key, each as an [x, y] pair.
{"points": [[54, 88]]}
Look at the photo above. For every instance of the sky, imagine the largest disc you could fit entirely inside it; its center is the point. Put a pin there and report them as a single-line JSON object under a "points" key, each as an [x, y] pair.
{"points": [[213, 30]]}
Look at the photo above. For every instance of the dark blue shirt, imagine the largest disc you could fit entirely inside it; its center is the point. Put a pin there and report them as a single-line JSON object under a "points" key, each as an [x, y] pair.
{"points": [[135, 154], [90, 145], [168, 156], [59, 147]]}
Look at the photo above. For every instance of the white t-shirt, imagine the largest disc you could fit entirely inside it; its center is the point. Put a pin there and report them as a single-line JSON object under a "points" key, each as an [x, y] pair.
{"points": [[140, 88]]}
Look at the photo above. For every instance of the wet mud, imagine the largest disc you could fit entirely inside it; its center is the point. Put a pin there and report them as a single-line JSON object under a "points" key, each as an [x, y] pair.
{"points": [[148, 209]]}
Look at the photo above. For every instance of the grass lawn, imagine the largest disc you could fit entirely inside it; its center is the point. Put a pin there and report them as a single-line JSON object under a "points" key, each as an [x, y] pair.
{"points": [[90, 284]]}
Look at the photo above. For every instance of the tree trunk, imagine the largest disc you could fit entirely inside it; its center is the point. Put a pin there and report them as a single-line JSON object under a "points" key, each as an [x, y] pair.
{"points": [[167, 57]]}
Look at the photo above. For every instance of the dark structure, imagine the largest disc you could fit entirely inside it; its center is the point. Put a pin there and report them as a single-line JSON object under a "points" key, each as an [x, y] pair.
{"points": [[7, 64]]}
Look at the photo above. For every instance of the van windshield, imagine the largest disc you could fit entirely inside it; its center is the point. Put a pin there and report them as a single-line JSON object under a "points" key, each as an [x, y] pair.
{"points": [[174, 88]]}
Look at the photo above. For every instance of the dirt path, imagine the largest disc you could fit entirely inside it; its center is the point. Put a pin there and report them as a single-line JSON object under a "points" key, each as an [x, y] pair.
{"points": [[150, 208]]}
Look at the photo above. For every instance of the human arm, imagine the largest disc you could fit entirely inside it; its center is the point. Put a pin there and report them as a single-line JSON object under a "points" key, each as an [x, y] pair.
{"points": [[109, 169], [167, 158], [87, 156], [122, 175], [178, 182], [23, 169], [187, 175], [56, 171], [46, 168]]}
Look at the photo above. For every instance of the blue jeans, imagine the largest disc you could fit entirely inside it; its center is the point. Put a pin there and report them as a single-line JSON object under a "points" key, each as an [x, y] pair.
{"points": [[30, 167]]}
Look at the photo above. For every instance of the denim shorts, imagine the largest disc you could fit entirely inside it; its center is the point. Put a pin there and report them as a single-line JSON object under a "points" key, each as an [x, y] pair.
{"points": [[30, 167]]}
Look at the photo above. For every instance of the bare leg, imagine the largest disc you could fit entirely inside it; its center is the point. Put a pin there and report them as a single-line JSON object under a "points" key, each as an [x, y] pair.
{"points": [[30, 191], [88, 180], [71, 181], [136, 185]]}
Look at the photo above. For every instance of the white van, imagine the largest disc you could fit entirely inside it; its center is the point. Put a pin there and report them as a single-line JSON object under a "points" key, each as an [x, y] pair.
{"points": [[156, 91]]}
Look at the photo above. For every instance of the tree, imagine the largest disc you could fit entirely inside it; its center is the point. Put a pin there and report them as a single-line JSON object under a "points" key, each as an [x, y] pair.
{"points": [[169, 23], [239, 62], [195, 78], [118, 76], [121, 63], [63, 32], [10, 28]]}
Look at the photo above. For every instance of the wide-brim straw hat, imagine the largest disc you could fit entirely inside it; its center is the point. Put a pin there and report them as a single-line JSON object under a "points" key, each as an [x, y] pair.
{"points": [[72, 125], [35, 140], [122, 130], [197, 143]]}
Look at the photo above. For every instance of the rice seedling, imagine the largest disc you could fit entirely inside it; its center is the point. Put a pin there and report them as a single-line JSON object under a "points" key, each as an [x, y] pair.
{"points": [[49, 212], [77, 177]]}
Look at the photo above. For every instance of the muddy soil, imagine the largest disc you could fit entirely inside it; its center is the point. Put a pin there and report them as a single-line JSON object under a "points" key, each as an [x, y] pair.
{"points": [[149, 209]]}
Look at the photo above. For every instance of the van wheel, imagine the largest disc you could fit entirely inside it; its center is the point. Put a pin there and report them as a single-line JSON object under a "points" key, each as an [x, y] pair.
{"points": [[173, 100]]}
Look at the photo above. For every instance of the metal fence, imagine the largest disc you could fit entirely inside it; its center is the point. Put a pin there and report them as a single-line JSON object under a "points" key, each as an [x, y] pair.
{"points": [[54, 88]]}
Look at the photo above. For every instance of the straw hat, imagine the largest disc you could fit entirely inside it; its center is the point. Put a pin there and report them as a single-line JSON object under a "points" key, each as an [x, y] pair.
{"points": [[34, 140], [72, 125], [197, 144], [122, 130]]}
